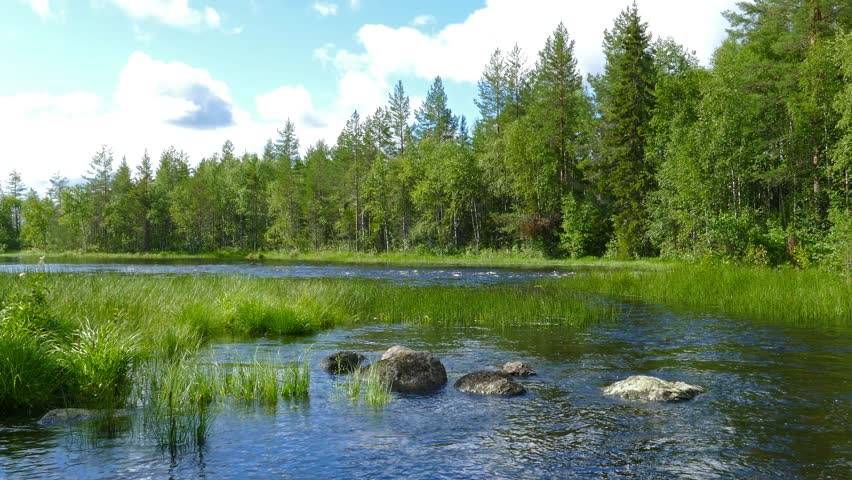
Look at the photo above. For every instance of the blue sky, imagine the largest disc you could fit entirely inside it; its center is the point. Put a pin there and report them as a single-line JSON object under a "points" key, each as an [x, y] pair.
{"points": [[147, 74]]}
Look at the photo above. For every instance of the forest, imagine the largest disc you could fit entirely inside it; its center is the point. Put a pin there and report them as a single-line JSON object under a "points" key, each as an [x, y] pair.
{"points": [[746, 160]]}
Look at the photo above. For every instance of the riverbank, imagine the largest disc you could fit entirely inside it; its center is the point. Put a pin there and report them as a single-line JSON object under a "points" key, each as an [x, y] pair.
{"points": [[489, 258]]}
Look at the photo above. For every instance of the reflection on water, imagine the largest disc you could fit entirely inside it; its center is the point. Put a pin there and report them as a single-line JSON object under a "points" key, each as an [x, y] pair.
{"points": [[777, 406]]}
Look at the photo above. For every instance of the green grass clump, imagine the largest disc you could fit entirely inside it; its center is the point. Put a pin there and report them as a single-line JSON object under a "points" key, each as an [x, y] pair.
{"points": [[255, 381], [365, 385], [179, 402], [296, 382], [29, 371], [98, 364], [256, 318]]}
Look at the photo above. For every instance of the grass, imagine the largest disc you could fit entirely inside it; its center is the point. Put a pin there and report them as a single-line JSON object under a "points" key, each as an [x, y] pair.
{"points": [[297, 380], [70, 340], [367, 386], [254, 382], [783, 296], [179, 398]]}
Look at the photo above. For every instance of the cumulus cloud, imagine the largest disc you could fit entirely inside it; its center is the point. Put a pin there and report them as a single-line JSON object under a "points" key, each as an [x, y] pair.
{"points": [[459, 51], [175, 13], [156, 104], [325, 9], [173, 92]]}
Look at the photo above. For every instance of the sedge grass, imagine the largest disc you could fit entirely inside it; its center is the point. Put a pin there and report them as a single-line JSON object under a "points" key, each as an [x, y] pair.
{"points": [[297, 380], [367, 386], [813, 298]]}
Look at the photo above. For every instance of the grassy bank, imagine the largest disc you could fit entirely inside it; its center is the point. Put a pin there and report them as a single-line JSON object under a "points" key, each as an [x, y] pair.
{"points": [[485, 258], [104, 326], [809, 297]]}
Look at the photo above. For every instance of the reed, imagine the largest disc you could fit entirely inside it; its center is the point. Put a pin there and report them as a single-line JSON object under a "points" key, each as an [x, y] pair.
{"points": [[297, 381]]}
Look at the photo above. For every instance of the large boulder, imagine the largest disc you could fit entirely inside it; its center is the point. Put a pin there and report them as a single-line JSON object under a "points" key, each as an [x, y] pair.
{"points": [[487, 382], [652, 389], [395, 350], [410, 371], [61, 416], [342, 362], [518, 369]]}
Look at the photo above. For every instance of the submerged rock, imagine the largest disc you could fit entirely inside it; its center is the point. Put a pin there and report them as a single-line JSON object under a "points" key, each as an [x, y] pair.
{"points": [[410, 371], [342, 362], [652, 389], [488, 382], [518, 369], [70, 415]]}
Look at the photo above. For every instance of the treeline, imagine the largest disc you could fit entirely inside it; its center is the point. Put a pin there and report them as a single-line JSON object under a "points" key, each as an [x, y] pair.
{"points": [[749, 159]]}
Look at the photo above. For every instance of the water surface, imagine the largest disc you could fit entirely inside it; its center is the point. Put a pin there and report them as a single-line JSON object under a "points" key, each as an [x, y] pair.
{"points": [[470, 276], [777, 406]]}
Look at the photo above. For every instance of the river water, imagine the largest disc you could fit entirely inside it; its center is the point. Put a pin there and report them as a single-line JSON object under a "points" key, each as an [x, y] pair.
{"points": [[283, 269], [777, 406]]}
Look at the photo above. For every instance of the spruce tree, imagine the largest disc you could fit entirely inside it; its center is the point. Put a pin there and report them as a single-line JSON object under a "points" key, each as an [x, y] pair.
{"points": [[625, 94]]}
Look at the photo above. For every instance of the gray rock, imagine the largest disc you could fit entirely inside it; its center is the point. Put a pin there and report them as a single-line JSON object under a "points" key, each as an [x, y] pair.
{"points": [[342, 362], [410, 371], [61, 416], [518, 369], [487, 382], [394, 350], [652, 389]]}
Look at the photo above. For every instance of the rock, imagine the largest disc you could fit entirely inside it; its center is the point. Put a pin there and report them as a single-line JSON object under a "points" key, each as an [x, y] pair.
{"points": [[394, 350], [410, 371], [342, 362], [487, 382], [652, 389], [518, 369], [70, 415]]}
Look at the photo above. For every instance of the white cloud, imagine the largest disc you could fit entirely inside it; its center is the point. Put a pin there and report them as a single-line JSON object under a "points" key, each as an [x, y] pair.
{"points": [[323, 54], [40, 105], [169, 92], [175, 13], [40, 7], [355, 4], [285, 102], [156, 104], [459, 51], [325, 9], [421, 20]]}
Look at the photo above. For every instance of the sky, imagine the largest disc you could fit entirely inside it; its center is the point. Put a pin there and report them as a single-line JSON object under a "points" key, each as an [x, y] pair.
{"points": [[149, 74]]}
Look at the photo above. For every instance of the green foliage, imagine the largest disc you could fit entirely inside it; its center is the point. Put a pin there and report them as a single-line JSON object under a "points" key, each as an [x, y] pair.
{"points": [[667, 157], [584, 227]]}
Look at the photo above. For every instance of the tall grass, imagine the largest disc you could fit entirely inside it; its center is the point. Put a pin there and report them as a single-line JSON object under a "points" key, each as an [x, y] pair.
{"points": [[366, 385], [179, 402], [254, 382], [98, 364], [297, 380], [784, 295], [203, 307]]}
